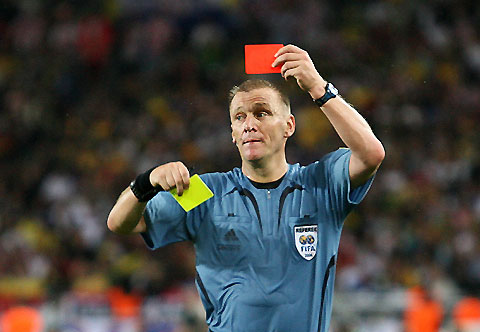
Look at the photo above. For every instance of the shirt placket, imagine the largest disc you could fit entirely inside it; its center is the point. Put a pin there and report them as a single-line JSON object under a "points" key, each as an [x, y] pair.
{"points": [[269, 211]]}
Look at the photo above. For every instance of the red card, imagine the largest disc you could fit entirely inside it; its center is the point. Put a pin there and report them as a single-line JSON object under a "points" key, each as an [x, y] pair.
{"points": [[259, 58]]}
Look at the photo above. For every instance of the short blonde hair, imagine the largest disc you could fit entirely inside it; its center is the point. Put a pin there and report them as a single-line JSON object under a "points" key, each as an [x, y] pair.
{"points": [[254, 84]]}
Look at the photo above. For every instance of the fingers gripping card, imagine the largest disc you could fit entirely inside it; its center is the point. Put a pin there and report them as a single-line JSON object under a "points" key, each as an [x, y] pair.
{"points": [[259, 58], [196, 194]]}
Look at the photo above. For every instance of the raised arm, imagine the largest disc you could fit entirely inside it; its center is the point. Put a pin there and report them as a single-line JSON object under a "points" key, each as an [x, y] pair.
{"points": [[367, 151], [126, 216]]}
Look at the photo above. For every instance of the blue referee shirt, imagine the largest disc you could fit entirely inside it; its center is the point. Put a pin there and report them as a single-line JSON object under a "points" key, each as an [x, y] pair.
{"points": [[265, 258]]}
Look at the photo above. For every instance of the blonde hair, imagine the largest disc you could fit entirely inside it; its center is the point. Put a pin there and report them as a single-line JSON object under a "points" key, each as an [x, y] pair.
{"points": [[254, 84]]}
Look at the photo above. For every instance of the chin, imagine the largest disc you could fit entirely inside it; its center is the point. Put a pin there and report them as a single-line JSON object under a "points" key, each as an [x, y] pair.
{"points": [[252, 156]]}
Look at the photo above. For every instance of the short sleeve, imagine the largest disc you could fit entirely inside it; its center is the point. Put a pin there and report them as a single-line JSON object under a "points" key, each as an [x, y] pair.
{"points": [[342, 197], [165, 220], [331, 177]]}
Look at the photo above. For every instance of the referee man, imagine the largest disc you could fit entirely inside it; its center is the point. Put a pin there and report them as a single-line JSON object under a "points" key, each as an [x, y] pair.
{"points": [[266, 244]]}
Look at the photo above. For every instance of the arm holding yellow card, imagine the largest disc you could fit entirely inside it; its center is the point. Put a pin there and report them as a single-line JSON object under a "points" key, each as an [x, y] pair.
{"points": [[126, 216]]}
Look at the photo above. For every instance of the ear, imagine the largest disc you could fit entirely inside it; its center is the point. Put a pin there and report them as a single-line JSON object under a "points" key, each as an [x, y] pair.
{"points": [[233, 138], [290, 128]]}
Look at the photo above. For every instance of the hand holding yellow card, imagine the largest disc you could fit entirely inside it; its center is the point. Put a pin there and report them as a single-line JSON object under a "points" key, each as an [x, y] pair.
{"points": [[196, 194]]}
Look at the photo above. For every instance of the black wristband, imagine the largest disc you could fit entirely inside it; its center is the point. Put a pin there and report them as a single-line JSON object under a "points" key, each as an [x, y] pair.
{"points": [[142, 187]]}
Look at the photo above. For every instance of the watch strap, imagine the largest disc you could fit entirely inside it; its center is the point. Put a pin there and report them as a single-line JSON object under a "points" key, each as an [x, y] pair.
{"points": [[330, 92]]}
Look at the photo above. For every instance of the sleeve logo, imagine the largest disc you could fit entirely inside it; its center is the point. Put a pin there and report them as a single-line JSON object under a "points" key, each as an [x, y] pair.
{"points": [[306, 240]]}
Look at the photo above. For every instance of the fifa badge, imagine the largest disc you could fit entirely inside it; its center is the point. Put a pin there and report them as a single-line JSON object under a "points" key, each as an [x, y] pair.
{"points": [[306, 240]]}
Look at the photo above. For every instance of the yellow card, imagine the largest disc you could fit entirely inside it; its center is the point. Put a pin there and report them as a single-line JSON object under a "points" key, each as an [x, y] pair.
{"points": [[196, 194]]}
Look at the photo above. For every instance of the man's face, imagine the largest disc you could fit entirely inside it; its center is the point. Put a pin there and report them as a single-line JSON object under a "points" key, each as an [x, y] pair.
{"points": [[261, 124]]}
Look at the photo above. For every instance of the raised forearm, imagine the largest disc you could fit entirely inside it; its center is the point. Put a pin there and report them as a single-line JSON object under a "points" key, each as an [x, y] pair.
{"points": [[126, 214], [353, 130]]}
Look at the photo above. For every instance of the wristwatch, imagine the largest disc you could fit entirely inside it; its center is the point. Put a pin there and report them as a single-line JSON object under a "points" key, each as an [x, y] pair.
{"points": [[330, 92]]}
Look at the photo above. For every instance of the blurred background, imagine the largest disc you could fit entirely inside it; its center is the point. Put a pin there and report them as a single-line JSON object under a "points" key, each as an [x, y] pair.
{"points": [[94, 92]]}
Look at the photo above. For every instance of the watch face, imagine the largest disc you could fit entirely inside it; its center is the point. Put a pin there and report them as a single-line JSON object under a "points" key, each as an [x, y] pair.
{"points": [[332, 89]]}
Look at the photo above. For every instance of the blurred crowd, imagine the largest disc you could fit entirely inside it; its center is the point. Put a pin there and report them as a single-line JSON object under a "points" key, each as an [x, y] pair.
{"points": [[94, 92]]}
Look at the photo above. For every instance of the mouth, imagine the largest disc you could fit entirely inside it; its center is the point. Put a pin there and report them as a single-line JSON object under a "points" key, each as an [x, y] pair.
{"points": [[251, 141]]}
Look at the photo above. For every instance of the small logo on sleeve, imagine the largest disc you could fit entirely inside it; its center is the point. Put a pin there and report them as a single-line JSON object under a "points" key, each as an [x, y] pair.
{"points": [[306, 240]]}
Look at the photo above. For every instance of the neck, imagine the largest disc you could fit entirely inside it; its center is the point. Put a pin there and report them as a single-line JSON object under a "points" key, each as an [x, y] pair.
{"points": [[264, 171]]}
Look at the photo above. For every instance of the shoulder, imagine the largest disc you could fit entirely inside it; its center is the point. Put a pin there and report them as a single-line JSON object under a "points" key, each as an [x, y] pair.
{"points": [[318, 171], [335, 155], [220, 182], [327, 159], [333, 158]]}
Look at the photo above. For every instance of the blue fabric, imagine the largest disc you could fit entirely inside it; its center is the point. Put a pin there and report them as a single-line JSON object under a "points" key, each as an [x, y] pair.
{"points": [[250, 275]]}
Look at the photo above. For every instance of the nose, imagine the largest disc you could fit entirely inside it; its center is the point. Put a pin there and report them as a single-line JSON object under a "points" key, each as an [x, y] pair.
{"points": [[250, 123]]}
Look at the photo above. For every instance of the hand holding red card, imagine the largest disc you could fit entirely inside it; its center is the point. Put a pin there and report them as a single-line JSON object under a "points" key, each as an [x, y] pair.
{"points": [[259, 58]]}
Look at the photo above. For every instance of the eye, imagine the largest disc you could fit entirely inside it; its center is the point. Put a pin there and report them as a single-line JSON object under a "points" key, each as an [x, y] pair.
{"points": [[261, 114], [239, 117]]}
